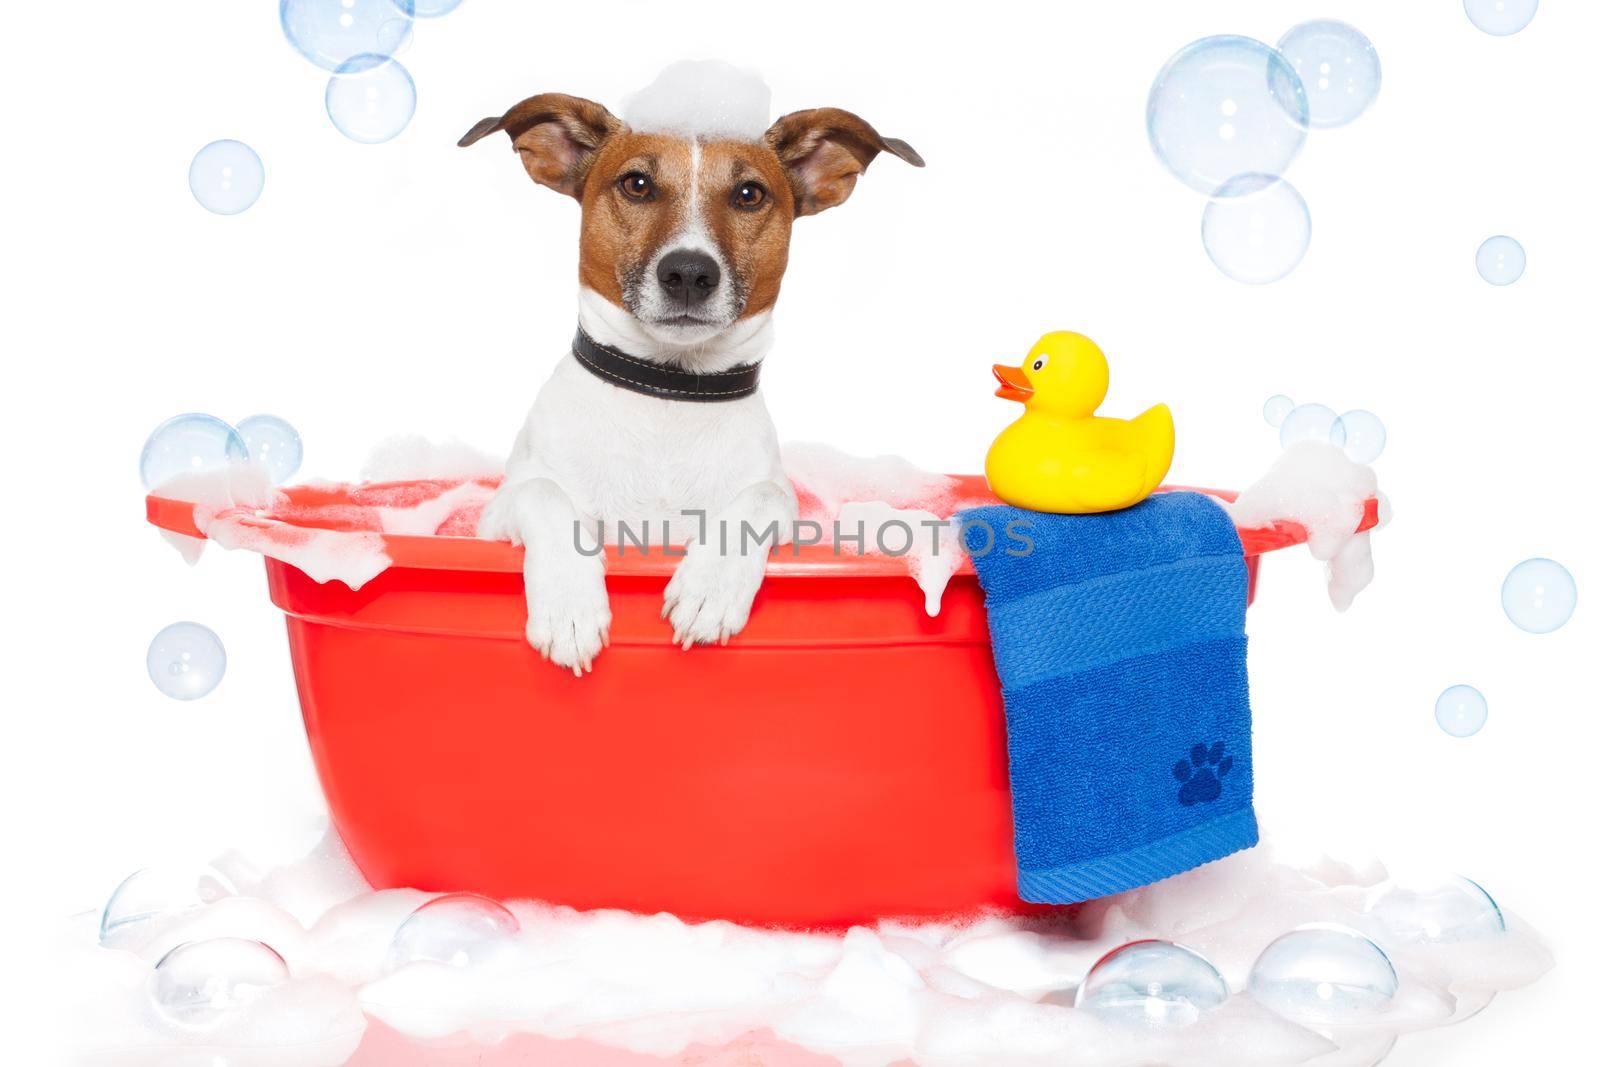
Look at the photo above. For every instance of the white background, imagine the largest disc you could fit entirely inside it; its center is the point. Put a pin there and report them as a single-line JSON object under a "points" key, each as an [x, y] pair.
{"points": [[414, 286]]}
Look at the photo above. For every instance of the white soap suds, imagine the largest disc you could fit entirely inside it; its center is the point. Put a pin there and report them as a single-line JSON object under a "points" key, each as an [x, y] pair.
{"points": [[422, 493], [238, 485], [426, 518], [351, 557], [706, 99], [876, 496], [1350, 571], [189, 549], [232, 507], [242, 485], [994, 989], [1322, 489], [930, 544], [826, 479], [412, 457]]}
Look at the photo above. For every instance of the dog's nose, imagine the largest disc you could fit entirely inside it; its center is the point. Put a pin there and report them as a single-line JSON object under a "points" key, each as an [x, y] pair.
{"points": [[693, 276]]}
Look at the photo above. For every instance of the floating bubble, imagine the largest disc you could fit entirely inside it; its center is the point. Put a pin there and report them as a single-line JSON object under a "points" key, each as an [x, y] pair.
{"points": [[1324, 975], [274, 443], [1225, 106], [431, 9], [226, 177], [186, 444], [1364, 435], [1501, 260], [1311, 422], [1256, 229], [1338, 69], [153, 894], [459, 929], [1501, 17], [1276, 409], [1154, 983], [1539, 595], [1461, 711], [1438, 910], [186, 661], [332, 32], [371, 99], [200, 983]]}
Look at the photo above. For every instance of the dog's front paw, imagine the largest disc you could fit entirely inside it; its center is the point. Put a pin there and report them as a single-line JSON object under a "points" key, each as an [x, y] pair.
{"points": [[499, 519], [709, 597], [569, 616]]}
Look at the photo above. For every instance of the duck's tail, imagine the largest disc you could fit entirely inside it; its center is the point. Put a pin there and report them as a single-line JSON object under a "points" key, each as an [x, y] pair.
{"points": [[1159, 437]]}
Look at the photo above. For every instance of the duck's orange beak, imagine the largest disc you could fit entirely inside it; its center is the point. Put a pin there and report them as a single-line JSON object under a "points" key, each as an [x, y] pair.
{"points": [[1014, 385]]}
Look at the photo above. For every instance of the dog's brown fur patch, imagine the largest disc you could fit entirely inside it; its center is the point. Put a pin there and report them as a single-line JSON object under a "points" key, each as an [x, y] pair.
{"points": [[755, 242], [621, 236], [808, 162]]}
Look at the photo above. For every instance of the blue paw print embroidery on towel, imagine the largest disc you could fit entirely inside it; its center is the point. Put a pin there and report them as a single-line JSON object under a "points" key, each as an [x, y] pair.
{"points": [[1202, 774]]}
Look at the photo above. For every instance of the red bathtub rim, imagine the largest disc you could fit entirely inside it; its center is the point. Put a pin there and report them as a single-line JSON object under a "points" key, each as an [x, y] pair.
{"points": [[433, 552]]}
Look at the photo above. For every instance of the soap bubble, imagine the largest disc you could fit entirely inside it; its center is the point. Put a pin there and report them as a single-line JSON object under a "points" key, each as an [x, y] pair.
{"points": [[1437, 910], [1276, 409], [459, 929], [273, 442], [1338, 69], [1364, 435], [1501, 17], [1152, 982], [152, 894], [371, 99], [331, 32], [1311, 422], [432, 9], [226, 177], [1225, 106], [1256, 229], [186, 444], [1501, 260], [1324, 974], [186, 661], [200, 982], [1539, 595], [1461, 711]]}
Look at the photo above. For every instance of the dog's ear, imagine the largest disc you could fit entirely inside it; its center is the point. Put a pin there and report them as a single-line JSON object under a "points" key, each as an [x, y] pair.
{"points": [[824, 150], [557, 136]]}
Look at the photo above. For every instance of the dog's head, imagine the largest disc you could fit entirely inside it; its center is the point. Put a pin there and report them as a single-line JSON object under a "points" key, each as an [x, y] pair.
{"points": [[689, 235]]}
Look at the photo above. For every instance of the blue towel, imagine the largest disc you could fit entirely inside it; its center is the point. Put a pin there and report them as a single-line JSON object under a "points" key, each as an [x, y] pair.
{"points": [[1119, 641]]}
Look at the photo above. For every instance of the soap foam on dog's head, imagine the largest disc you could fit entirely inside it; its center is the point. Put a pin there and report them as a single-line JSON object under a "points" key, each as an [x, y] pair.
{"points": [[706, 99]]}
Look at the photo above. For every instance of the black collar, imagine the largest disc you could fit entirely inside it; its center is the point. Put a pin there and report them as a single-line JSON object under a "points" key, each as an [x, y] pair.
{"points": [[659, 380]]}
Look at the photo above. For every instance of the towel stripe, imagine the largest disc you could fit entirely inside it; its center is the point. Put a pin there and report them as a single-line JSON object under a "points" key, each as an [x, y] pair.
{"points": [[1167, 528], [1118, 617], [1141, 866]]}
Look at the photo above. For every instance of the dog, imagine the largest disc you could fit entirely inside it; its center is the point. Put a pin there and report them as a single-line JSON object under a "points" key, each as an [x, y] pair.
{"points": [[654, 416]]}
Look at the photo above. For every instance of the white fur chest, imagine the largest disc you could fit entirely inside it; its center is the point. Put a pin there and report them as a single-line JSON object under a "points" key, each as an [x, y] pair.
{"points": [[623, 456]]}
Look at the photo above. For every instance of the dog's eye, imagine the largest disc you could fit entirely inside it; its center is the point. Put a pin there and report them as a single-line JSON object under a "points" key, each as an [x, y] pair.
{"points": [[749, 195], [636, 186], [1039, 363]]}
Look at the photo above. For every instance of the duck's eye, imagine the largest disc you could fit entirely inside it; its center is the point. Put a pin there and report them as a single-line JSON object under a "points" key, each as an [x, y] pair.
{"points": [[636, 186], [1039, 363], [749, 195]]}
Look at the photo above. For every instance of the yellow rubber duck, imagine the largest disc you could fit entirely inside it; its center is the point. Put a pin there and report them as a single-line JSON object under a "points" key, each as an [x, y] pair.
{"points": [[1062, 457]]}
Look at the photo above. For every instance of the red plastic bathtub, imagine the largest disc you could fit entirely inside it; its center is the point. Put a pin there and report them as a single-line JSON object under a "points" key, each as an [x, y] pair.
{"points": [[840, 761]]}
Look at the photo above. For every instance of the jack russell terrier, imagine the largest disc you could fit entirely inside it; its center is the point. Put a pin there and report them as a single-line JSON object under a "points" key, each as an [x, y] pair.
{"points": [[654, 413]]}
